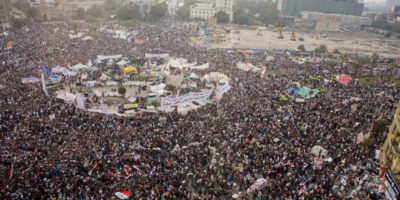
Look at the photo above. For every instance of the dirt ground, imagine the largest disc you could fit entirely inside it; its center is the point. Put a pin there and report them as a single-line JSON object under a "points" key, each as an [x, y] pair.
{"points": [[344, 42]]}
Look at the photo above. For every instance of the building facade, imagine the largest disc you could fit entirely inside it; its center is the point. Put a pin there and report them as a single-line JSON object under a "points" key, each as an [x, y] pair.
{"points": [[208, 10], [390, 158], [144, 5], [56, 11], [5, 9], [294, 8]]}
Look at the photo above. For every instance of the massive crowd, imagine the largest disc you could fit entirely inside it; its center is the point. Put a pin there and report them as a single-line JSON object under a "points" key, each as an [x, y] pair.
{"points": [[212, 153]]}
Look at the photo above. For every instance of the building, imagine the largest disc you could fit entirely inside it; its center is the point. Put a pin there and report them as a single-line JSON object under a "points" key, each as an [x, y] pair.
{"points": [[5, 8], [57, 11], [390, 158], [208, 10], [335, 22], [293, 8]]}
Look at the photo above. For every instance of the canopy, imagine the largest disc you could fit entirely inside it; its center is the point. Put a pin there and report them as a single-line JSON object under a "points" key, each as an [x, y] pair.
{"points": [[79, 67], [316, 149], [194, 76], [307, 93], [103, 77], [122, 63], [92, 69], [130, 69]]}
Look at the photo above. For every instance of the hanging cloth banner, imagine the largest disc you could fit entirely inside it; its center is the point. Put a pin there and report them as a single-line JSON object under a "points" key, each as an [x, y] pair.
{"points": [[49, 72], [44, 85]]}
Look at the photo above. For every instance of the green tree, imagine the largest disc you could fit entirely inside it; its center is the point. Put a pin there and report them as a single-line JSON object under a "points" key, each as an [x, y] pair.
{"points": [[301, 48], [90, 19], [95, 12], [242, 19], [157, 11], [128, 12], [154, 103], [306, 67], [331, 65], [110, 5], [321, 49], [356, 68], [183, 12], [33, 13], [222, 17], [269, 13], [121, 90], [18, 23], [380, 126], [170, 87], [79, 14], [392, 67], [344, 57], [336, 51], [374, 60], [369, 141], [21, 5]]}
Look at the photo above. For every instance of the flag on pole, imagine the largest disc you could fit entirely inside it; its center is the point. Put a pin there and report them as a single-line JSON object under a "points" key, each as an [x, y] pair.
{"points": [[136, 167], [94, 166], [123, 194], [11, 173]]}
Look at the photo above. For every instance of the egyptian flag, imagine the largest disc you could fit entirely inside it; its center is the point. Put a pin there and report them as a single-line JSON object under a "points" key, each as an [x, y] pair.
{"points": [[123, 194], [136, 167], [11, 173], [127, 170], [94, 166]]}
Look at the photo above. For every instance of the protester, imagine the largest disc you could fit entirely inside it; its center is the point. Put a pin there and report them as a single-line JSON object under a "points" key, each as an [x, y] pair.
{"points": [[214, 152]]}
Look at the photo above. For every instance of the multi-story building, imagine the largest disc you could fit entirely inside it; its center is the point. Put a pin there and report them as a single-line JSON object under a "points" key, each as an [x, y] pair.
{"points": [[56, 11], [294, 8], [208, 10], [390, 158], [5, 8], [144, 5]]}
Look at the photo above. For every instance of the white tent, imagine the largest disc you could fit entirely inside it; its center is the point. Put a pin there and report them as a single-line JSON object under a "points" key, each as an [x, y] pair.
{"points": [[317, 149], [158, 89], [111, 83], [56, 69], [194, 76], [89, 63], [200, 67], [66, 72], [103, 77], [92, 69], [78, 67], [269, 58], [122, 63]]}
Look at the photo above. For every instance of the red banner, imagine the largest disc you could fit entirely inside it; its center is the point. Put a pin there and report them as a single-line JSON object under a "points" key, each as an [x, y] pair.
{"points": [[344, 79], [138, 41]]}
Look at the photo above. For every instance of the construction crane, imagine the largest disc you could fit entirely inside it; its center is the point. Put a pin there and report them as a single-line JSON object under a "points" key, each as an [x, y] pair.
{"points": [[280, 36]]}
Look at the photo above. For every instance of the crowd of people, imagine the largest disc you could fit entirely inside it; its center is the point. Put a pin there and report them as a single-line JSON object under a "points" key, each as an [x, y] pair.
{"points": [[214, 152]]}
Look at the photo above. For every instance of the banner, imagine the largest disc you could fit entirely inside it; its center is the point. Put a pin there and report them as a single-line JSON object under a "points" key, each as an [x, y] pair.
{"points": [[138, 41], [149, 55], [344, 79], [30, 80], [9, 45], [226, 88], [192, 96], [104, 108], [44, 85], [100, 58], [127, 106], [49, 72], [80, 101], [318, 163]]}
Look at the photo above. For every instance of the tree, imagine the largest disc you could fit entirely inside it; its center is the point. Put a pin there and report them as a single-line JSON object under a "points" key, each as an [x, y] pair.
{"points": [[331, 65], [33, 13], [269, 13], [392, 67], [128, 12], [154, 103], [110, 5], [336, 51], [321, 49], [306, 67], [21, 5], [18, 23], [122, 90], [374, 59], [184, 11], [356, 68], [95, 11], [301, 48], [170, 88], [157, 11], [344, 57], [222, 17], [242, 19], [79, 14], [380, 126]]}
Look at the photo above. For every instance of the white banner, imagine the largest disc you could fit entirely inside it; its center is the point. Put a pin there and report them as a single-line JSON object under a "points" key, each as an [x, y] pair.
{"points": [[44, 85], [104, 108], [226, 88], [30, 80], [192, 96], [318, 163], [99, 57], [164, 55], [80, 101]]}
